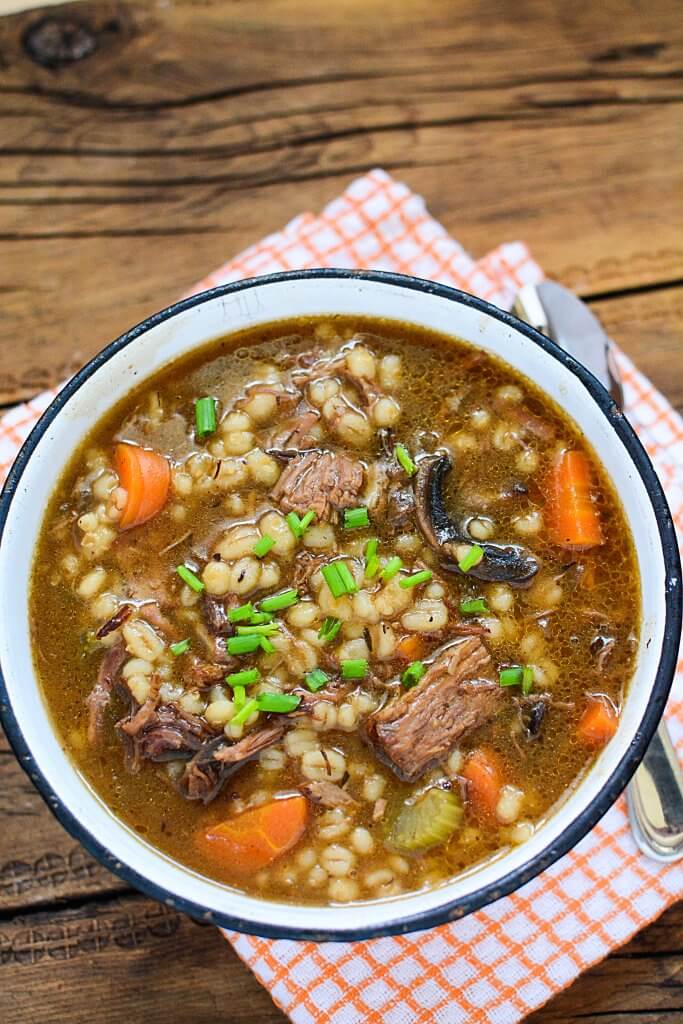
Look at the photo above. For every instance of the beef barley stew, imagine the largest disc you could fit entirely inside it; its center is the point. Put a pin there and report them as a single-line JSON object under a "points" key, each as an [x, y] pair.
{"points": [[334, 609]]}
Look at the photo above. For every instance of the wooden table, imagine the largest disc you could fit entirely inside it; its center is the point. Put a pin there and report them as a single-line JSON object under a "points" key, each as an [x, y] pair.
{"points": [[185, 131]]}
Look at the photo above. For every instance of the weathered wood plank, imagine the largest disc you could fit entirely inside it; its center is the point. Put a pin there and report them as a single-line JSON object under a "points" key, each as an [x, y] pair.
{"points": [[127, 959], [118, 190]]}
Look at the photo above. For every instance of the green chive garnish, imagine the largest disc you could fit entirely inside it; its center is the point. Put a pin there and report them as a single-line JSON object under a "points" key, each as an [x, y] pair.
{"points": [[413, 674], [477, 606], [299, 526], [371, 548], [187, 576], [245, 678], [242, 614], [316, 679], [333, 579], [511, 676], [243, 644], [279, 601], [424, 576], [350, 585], [267, 629], [278, 702], [239, 696], [354, 668], [391, 568], [245, 712], [527, 679], [266, 645], [258, 618], [263, 546], [180, 647], [306, 521], [356, 518], [372, 567], [205, 416], [329, 629], [472, 558], [402, 456]]}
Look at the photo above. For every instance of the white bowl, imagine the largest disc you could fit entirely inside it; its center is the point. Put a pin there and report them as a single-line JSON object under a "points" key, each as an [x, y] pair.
{"points": [[191, 323]]}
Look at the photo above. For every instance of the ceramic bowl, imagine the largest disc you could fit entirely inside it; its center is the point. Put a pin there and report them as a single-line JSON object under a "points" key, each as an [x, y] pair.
{"points": [[193, 322]]}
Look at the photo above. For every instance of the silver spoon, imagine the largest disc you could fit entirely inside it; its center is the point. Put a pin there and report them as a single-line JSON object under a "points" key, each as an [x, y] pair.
{"points": [[655, 793]]}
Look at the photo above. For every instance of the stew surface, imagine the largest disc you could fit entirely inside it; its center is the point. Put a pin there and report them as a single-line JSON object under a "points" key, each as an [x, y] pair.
{"points": [[334, 609]]}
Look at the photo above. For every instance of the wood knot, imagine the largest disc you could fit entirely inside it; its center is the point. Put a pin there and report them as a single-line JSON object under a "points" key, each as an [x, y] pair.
{"points": [[58, 41]]}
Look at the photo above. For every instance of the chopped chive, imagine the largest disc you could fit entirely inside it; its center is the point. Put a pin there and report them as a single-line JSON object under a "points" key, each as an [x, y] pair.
{"points": [[316, 679], [267, 629], [294, 523], [243, 644], [350, 585], [472, 558], [241, 614], [180, 647], [527, 680], [279, 601], [402, 456], [245, 712], [263, 546], [356, 518], [266, 645], [278, 702], [511, 676], [424, 576], [244, 678], [372, 567], [205, 416], [333, 579], [474, 607], [329, 629], [354, 668], [371, 549], [192, 580], [391, 568], [239, 696], [413, 674], [258, 618], [306, 520]]}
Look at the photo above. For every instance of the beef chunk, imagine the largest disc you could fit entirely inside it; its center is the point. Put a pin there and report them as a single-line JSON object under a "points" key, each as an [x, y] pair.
{"points": [[329, 794], [319, 480], [215, 615], [100, 695], [163, 733], [217, 760], [457, 694], [400, 508]]}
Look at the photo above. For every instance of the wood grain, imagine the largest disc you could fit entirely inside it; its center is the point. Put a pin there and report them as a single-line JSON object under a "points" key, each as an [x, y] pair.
{"points": [[117, 190], [194, 129]]}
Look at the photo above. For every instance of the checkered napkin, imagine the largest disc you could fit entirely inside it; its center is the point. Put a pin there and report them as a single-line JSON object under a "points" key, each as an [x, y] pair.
{"points": [[498, 965]]}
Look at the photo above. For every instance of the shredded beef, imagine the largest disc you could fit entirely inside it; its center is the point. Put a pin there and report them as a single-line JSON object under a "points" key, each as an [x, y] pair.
{"points": [[100, 695], [416, 730], [320, 480], [217, 760], [215, 615], [164, 733], [329, 794]]}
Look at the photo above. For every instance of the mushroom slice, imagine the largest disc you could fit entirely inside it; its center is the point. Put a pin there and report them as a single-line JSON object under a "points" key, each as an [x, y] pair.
{"points": [[505, 563]]}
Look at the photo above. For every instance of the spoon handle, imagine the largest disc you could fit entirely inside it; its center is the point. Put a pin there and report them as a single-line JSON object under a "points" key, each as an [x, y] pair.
{"points": [[655, 793]]}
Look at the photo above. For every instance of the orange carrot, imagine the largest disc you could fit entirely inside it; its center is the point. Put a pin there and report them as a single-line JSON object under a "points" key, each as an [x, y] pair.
{"points": [[255, 838], [572, 519], [411, 647], [145, 476], [598, 723], [484, 775]]}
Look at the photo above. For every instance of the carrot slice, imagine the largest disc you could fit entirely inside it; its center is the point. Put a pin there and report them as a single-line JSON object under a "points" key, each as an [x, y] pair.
{"points": [[412, 647], [255, 838], [572, 519], [145, 476], [484, 774], [598, 723]]}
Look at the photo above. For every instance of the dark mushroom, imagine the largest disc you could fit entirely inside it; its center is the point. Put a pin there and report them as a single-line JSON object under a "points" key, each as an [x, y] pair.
{"points": [[508, 563]]}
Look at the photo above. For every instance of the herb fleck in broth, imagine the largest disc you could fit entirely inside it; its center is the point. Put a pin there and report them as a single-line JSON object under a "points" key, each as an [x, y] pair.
{"points": [[376, 749]]}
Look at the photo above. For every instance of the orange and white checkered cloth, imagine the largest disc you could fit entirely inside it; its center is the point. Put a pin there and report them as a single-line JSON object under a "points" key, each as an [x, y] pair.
{"points": [[501, 963]]}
